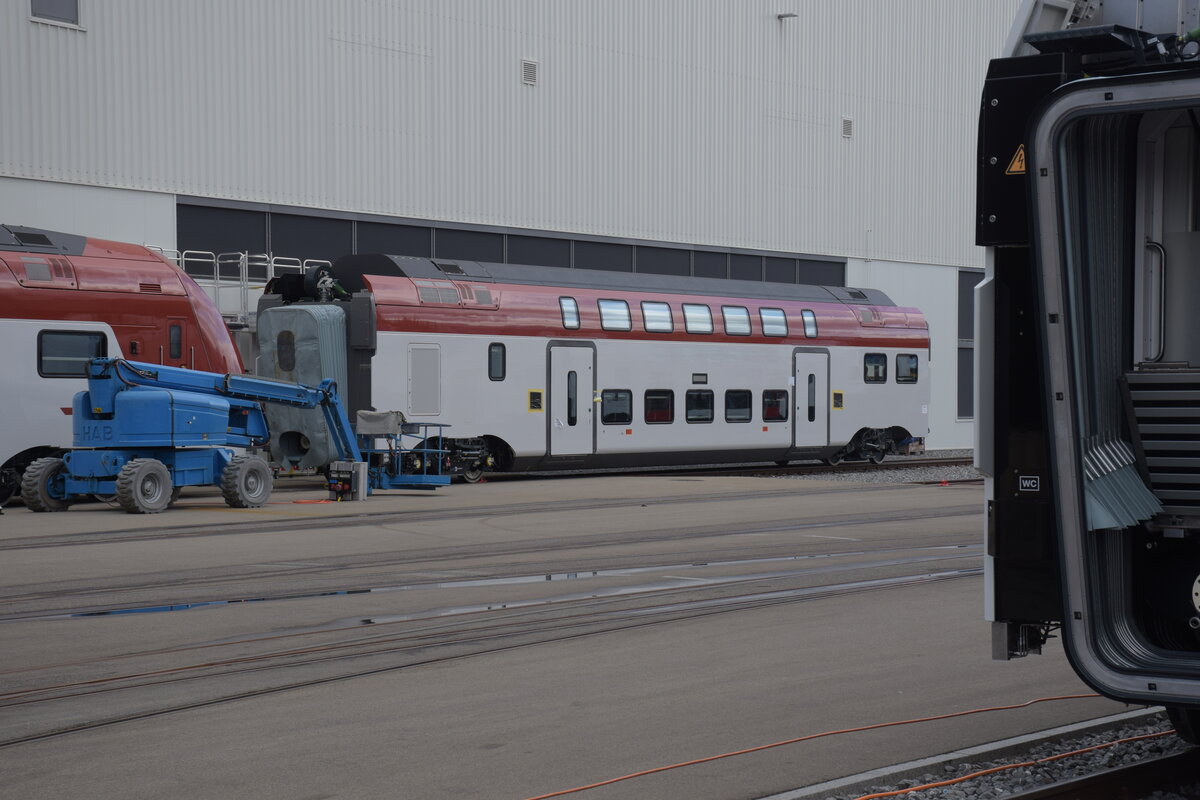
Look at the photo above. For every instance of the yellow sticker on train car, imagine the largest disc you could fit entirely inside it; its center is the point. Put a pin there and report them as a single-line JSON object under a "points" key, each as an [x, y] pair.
{"points": [[839, 401], [535, 401], [1017, 165]]}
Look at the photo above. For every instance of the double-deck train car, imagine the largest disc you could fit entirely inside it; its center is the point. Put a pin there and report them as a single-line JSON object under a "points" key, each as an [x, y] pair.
{"points": [[550, 368], [65, 299]]}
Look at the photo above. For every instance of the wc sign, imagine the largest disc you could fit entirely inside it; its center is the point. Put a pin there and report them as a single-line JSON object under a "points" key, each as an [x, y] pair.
{"points": [[1030, 483]]}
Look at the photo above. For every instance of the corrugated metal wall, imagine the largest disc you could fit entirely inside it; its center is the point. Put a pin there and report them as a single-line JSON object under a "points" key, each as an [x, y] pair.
{"points": [[695, 121]]}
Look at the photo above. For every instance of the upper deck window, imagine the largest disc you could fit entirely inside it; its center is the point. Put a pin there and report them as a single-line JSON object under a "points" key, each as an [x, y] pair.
{"points": [[570, 312], [439, 292], [697, 318], [810, 323], [614, 315], [774, 321], [737, 320], [656, 317]]}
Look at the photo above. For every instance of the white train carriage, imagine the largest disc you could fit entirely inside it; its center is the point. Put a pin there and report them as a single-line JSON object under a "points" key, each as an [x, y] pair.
{"points": [[548, 368]]}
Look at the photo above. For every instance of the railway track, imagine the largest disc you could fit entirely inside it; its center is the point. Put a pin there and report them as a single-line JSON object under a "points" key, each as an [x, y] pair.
{"points": [[1168, 775]]}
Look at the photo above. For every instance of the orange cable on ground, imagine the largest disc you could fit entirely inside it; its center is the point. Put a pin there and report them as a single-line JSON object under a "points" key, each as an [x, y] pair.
{"points": [[1033, 763], [759, 748]]}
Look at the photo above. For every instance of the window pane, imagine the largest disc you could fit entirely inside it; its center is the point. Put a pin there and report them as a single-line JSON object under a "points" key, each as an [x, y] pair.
{"points": [[572, 398], [775, 405], [699, 405], [570, 312], [810, 323], [656, 317], [697, 318], [812, 398], [875, 368], [966, 302], [65, 354], [774, 322], [616, 406], [906, 368], [58, 10], [737, 405], [497, 366], [614, 315], [966, 382], [175, 342], [737, 320], [660, 406]]}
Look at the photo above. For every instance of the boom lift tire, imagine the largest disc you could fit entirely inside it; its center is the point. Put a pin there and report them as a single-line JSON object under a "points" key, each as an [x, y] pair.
{"points": [[144, 486], [35, 485], [246, 482]]}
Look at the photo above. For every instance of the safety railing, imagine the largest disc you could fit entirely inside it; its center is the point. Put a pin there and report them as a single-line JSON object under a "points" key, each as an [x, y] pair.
{"points": [[234, 281]]}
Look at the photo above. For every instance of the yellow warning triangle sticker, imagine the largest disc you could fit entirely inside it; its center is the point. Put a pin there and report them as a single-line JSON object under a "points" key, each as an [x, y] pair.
{"points": [[1017, 165]]}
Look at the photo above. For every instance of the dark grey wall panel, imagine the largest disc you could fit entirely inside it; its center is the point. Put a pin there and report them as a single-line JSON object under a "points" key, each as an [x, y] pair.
{"points": [[394, 240], [468, 245], [540, 251]]}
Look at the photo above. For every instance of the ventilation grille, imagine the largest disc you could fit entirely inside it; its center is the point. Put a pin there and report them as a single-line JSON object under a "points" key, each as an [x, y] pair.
{"points": [[449, 269], [1165, 407], [30, 239], [529, 73], [847, 127], [150, 288]]}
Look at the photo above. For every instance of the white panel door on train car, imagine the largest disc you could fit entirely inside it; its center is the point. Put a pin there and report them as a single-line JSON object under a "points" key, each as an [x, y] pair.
{"points": [[811, 424], [571, 408]]}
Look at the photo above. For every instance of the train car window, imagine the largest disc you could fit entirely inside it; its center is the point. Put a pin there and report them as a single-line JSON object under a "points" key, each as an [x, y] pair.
{"points": [[906, 368], [65, 354], [497, 361], [285, 351], [656, 317], [659, 406], [774, 322], [812, 398], [572, 398], [616, 406], [699, 404], [697, 318], [175, 341], [737, 320], [775, 405], [810, 323], [570, 312], [875, 368], [438, 292], [614, 315], [737, 405]]}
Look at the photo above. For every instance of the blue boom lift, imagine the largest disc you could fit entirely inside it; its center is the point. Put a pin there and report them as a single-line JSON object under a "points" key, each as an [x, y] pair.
{"points": [[144, 431]]}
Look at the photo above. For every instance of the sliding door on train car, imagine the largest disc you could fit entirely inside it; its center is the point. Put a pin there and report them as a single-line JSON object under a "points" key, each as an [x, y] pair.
{"points": [[811, 425], [571, 387]]}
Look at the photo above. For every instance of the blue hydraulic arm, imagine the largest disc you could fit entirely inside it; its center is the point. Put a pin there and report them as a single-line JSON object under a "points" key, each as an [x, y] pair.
{"points": [[107, 377]]}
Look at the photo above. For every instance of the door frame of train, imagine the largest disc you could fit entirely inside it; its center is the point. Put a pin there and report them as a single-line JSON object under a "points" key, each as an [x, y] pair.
{"points": [[561, 358], [812, 361]]}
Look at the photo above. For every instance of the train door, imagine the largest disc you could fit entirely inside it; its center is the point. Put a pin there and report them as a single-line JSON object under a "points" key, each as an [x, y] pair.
{"points": [[811, 426], [570, 388]]}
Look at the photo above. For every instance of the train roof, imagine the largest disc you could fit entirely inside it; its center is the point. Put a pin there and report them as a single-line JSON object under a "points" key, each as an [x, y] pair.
{"points": [[350, 269], [21, 239]]}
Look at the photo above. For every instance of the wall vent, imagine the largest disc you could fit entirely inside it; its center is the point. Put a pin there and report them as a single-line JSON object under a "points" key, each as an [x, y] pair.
{"points": [[150, 288], [847, 127], [529, 72]]}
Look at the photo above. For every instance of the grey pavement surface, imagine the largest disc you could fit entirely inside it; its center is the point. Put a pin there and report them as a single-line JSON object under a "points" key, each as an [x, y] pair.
{"points": [[540, 717]]}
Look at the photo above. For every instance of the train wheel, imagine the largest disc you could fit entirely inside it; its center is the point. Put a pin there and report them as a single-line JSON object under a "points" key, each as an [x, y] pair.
{"points": [[877, 457], [38, 489], [834, 459], [144, 486], [1186, 722], [246, 482], [473, 473]]}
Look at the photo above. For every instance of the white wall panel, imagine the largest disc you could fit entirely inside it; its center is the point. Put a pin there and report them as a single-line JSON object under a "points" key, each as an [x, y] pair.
{"points": [[697, 121], [122, 215]]}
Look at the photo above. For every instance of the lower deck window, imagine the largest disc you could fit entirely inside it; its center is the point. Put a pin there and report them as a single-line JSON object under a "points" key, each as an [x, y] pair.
{"points": [[65, 354], [875, 368], [737, 405], [775, 405], [659, 406], [699, 404], [616, 406]]}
